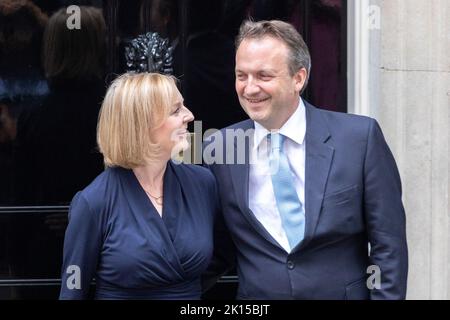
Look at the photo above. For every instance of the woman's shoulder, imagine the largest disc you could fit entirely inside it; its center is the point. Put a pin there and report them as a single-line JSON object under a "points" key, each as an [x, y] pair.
{"points": [[103, 185], [91, 203]]}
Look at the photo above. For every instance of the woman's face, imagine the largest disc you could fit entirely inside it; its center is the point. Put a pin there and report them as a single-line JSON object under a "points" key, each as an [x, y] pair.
{"points": [[172, 135]]}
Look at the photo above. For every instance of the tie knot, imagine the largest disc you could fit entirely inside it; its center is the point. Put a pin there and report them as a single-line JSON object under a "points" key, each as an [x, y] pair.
{"points": [[276, 141]]}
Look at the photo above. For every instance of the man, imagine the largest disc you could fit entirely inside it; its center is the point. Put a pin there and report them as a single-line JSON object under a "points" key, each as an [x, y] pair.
{"points": [[323, 211]]}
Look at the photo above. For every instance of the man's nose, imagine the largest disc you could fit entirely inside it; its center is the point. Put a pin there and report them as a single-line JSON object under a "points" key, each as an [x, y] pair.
{"points": [[251, 87]]}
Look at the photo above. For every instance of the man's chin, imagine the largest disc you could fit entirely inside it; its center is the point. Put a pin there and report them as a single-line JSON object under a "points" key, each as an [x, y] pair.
{"points": [[257, 116]]}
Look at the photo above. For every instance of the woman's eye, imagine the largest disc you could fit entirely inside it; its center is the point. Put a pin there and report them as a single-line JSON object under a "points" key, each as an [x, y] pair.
{"points": [[176, 111]]}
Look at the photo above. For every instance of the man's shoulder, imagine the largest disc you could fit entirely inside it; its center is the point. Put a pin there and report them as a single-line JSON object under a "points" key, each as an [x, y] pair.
{"points": [[341, 122], [242, 128], [332, 116]]}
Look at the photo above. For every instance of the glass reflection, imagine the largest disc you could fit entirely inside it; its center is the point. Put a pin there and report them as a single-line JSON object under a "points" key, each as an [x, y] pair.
{"points": [[55, 150], [22, 84], [208, 78], [160, 16], [32, 245], [51, 87], [327, 85]]}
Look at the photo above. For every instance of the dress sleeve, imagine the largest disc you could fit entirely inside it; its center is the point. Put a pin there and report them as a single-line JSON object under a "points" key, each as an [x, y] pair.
{"points": [[82, 244]]}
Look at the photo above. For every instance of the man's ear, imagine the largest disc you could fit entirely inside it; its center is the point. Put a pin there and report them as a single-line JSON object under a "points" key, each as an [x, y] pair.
{"points": [[300, 79]]}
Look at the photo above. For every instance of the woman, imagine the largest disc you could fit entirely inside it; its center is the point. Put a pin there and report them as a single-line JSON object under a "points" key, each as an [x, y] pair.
{"points": [[142, 228]]}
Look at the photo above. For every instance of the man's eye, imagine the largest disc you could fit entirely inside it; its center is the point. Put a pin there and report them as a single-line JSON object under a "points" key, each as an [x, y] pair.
{"points": [[241, 77]]}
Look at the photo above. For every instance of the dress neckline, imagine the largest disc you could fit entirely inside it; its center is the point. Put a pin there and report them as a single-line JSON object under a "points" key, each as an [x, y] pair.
{"points": [[143, 193]]}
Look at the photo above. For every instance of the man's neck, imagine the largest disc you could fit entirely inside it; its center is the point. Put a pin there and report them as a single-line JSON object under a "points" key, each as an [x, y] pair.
{"points": [[279, 123]]}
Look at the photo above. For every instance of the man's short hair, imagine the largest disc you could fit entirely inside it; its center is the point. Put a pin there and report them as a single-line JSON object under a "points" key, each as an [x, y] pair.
{"points": [[134, 105], [299, 56]]}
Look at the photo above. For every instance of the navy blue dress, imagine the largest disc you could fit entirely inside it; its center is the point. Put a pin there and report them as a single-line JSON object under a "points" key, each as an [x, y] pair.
{"points": [[116, 236]]}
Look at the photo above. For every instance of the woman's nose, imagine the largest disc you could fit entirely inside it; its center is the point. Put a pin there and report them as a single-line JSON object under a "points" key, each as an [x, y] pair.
{"points": [[189, 116]]}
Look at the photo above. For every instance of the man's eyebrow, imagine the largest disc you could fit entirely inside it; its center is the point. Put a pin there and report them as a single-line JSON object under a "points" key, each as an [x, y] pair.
{"points": [[267, 71]]}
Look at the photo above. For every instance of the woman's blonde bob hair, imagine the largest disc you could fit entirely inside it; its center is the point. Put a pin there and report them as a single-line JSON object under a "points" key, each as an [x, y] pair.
{"points": [[134, 105]]}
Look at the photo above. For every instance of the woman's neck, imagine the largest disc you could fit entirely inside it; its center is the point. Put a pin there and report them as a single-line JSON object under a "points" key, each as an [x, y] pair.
{"points": [[151, 175]]}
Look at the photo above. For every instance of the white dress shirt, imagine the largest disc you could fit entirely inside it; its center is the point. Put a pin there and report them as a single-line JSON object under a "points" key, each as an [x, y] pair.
{"points": [[261, 196]]}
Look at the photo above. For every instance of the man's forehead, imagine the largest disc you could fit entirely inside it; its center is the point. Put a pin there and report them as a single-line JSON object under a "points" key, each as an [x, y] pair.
{"points": [[256, 67], [269, 46], [263, 41], [265, 57]]}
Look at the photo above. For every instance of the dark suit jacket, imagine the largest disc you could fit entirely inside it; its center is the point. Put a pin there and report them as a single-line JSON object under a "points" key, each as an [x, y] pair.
{"points": [[352, 199]]}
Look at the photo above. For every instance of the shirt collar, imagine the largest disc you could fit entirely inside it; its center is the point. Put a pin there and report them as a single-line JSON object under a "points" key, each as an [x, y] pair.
{"points": [[294, 128]]}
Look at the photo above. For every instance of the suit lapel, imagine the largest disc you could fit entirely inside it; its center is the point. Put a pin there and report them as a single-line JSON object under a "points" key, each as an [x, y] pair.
{"points": [[240, 178], [318, 159]]}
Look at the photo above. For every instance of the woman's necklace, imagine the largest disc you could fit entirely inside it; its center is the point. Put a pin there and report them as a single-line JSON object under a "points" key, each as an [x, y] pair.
{"points": [[158, 200]]}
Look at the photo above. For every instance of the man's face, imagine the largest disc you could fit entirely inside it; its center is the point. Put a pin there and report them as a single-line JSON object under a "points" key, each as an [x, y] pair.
{"points": [[266, 90]]}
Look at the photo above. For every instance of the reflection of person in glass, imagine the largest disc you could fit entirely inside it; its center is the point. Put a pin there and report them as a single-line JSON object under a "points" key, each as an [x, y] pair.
{"points": [[208, 77], [22, 85], [160, 16], [21, 26], [142, 228], [60, 134]]}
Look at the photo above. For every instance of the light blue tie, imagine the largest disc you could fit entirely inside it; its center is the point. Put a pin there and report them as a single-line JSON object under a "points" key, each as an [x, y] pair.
{"points": [[289, 206]]}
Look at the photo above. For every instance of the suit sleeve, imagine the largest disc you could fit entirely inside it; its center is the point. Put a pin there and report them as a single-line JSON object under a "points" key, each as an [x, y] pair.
{"points": [[82, 243], [385, 217]]}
